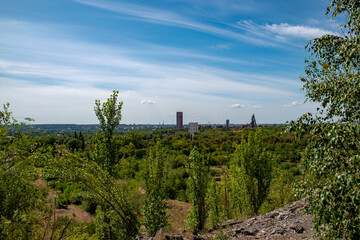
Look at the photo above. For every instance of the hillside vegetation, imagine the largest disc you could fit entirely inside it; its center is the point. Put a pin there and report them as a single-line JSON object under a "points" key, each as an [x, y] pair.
{"points": [[130, 182]]}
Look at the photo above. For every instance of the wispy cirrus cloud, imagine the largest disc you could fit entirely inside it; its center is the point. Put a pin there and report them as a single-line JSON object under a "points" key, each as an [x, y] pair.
{"points": [[164, 17], [246, 30], [222, 46], [48, 63], [71, 62], [219, 10]]}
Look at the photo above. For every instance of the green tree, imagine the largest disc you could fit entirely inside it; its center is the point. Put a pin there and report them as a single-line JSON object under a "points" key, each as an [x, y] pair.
{"points": [[331, 163], [197, 186], [251, 170], [74, 144], [214, 204], [225, 195], [109, 116], [5, 115], [155, 203]]}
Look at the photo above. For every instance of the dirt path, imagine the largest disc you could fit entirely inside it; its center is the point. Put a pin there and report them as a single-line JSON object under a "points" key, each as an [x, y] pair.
{"points": [[74, 211]]}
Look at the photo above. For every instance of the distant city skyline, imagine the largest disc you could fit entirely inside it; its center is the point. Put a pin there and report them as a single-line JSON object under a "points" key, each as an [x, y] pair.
{"points": [[212, 60]]}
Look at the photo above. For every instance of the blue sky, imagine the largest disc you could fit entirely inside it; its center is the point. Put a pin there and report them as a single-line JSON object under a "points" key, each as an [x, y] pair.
{"points": [[212, 59]]}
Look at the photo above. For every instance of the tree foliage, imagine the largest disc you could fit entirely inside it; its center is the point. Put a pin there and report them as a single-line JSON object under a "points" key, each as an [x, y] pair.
{"points": [[155, 203], [81, 170], [251, 170], [18, 195], [331, 162], [214, 205], [109, 116], [197, 186]]}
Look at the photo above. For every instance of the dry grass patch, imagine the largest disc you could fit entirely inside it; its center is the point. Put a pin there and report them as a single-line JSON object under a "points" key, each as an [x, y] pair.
{"points": [[177, 213]]}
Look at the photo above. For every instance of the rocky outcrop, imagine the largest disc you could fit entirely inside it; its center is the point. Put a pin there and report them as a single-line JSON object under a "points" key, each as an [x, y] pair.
{"points": [[287, 222]]}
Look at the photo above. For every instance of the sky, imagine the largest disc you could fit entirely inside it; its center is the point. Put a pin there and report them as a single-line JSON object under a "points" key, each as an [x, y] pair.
{"points": [[211, 59]]}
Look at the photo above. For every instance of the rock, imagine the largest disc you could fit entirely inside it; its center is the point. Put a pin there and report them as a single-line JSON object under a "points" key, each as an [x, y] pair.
{"points": [[284, 223], [273, 214], [197, 237], [174, 237], [230, 223], [246, 232], [280, 231], [282, 216], [298, 228]]}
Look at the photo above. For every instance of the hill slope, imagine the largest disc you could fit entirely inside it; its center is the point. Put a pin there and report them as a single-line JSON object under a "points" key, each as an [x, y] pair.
{"points": [[287, 222]]}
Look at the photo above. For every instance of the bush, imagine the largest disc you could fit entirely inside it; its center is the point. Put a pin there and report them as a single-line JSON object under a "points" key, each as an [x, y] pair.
{"points": [[90, 203], [61, 202]]}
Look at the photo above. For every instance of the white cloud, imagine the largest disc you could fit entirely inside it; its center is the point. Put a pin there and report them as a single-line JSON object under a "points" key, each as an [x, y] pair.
{"points": [[293, 104], [285, 29], [281, 33], [237, 105], [148, 102], [75, 63], [57, 66]]}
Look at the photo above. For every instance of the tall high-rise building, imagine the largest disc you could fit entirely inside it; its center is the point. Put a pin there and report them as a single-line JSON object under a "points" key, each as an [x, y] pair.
{"points": [[227, 123], [179, 119]]}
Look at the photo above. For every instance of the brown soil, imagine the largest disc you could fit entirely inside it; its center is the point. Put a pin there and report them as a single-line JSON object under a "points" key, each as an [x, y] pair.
{"points": [[177, 213]]}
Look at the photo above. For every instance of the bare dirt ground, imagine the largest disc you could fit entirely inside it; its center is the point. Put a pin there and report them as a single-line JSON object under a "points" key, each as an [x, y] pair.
{"points": [[71, 212]]}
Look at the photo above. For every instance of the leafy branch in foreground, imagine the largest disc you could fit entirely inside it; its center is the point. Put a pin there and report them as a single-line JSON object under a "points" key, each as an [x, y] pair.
{"points": [[19, 197], [101, 184], [331, 162]]}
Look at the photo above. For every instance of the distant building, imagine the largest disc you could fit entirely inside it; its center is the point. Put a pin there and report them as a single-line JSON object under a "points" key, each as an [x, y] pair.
{"points": [[227, 123], [193, 128], [179, 119], [253, 122]]}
